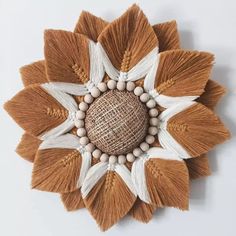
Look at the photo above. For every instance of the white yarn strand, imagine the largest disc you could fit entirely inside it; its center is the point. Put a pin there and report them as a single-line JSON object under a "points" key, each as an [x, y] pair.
{"points": [[96, 65], [70, 88], [162, 100], [143, 66], [94, 174], [162, 153], [112, 72], [139, 179], [165, 138], [135, 73], [96, 75], [168, 142], [138, 170], [167, 101], [64, 127], [64, 99], [124, 173], [149, 80], [86, 163], [68, 141], [67, 102]]}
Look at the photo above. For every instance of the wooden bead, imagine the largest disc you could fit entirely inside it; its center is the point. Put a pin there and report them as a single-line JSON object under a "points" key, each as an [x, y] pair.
{"points": [[95, 92], [88, 98], [97, 153], [152, 130], [112, 159], [130, 86], [83, 106], [121, 85], [81, 132], [84, 141], [104, 157], [137, 152], [150, 139], [153, 121], [111, 84], [121, 159], [80, 115], [144, 97], [90, 147], [151, 103], [130, 157], [153, 112], [138, 91], [79, 123], [102, 87], [144, 146]]}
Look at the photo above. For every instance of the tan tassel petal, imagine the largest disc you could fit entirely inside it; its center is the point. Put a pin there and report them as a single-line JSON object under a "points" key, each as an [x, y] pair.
{"points": [[198, 167], [168, 36], [34, 73], [35, 110], [213, 93], [183, 73], [56, 170], [128, 39], [90, 25], [167, 183], [142, 211], [108, 193], [28, 147], [73, 200], [67, 56], [197, 129]]}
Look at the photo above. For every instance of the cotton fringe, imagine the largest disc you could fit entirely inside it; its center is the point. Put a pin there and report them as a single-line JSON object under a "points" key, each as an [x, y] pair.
{"points": [[28, 147], [56, 170], [73, 200], [34, 73], [34, 103], [90, 25]]}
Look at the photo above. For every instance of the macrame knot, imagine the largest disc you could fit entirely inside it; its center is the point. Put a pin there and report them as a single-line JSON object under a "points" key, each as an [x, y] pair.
{"points": [[89, 85], [123, 76], [81, 149], [72, 115], [154, 94]]}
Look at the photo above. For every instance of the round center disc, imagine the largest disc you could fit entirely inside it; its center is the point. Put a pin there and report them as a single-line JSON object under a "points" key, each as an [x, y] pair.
{"points": [[117, 122]]}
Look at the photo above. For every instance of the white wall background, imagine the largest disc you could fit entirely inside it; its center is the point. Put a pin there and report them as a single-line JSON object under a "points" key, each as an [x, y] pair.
{"points": [[204, 25]]}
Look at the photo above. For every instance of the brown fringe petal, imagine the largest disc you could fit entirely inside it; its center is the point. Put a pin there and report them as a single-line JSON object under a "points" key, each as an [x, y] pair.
{"points": [[128, 39], [183, 73], [73, 201], [67, 56], [168, 36], [34, 73], [90, 25], [197, 129], [198, 167], [213, 93], [142, 211], [28, 147], [167, 183], [109, 200], [35, 110], [56, 170]]}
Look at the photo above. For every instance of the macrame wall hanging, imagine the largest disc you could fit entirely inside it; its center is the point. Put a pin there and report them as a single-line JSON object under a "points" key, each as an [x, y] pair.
{"points": [[118, 118]]}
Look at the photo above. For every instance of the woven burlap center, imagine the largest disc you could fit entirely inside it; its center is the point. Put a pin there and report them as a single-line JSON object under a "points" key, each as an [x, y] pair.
{"points": [[117, 122]]}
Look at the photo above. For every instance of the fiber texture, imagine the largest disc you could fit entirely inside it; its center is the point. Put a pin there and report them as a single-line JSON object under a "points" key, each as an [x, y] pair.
{"points": [[117, 122]]}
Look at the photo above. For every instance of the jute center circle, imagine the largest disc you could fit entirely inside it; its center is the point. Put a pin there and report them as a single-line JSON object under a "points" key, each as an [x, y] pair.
{"points": [[117, 122]]}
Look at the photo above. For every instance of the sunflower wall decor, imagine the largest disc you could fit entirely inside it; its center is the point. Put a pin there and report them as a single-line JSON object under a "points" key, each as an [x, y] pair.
{"points": [[118, 118]]}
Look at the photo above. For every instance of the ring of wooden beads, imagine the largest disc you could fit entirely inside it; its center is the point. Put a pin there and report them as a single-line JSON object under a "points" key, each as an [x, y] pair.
{"points": [[95, 92]]}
